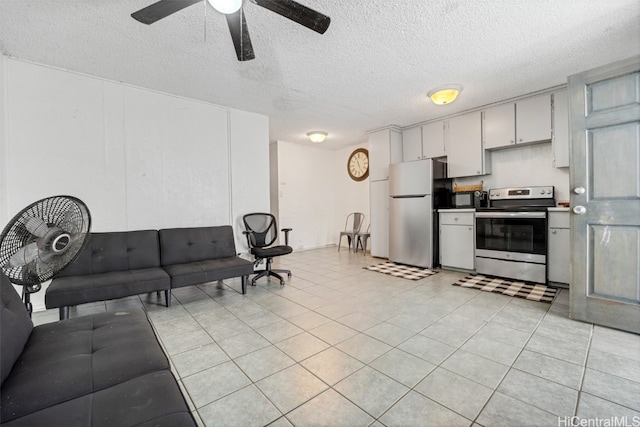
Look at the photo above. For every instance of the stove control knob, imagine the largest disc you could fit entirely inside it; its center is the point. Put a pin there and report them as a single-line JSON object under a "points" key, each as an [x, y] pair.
{"points": [[542, 191], [548, 191]]}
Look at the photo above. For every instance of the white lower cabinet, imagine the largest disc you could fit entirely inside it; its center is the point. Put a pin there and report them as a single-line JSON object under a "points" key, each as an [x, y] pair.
{"points": [[558, 256], [457, 240]]}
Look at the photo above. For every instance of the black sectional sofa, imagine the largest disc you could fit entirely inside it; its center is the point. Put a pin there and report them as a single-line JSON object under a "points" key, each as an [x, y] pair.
{"points": [[119, 264], [101, 370]]}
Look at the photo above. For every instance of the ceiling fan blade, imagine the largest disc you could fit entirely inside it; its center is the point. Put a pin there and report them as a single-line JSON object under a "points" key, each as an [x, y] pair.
{"points": [[240, 35], [161, 9], [293, 10]]}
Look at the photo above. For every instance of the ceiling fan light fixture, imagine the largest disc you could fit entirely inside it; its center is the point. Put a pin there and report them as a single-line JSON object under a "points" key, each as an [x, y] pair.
{"points": [[317, 136], [226, 6], [446, 94]]}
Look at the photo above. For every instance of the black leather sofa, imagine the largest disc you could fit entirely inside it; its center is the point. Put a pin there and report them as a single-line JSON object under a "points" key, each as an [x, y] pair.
{"points": [[202, 254], [111, 265], [101, 370], [119, 264]]}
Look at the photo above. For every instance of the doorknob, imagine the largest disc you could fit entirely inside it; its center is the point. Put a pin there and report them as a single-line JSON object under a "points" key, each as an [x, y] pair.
{"points": [[579, 210], [579, 190]]}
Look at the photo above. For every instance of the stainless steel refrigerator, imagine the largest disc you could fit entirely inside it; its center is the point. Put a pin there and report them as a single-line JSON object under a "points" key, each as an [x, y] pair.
{"points": [[411, 213]]}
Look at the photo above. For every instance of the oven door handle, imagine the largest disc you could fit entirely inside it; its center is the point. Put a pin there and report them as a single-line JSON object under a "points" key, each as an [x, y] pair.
{"points": [[511, 214]]}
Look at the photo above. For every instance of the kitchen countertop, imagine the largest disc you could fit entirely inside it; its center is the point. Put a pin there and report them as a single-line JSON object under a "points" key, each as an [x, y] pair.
{"points": [[457, 210], [463, 210]]}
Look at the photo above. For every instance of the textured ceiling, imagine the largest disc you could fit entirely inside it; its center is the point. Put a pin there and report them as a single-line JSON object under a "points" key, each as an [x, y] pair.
{"points": [[372, 68]]}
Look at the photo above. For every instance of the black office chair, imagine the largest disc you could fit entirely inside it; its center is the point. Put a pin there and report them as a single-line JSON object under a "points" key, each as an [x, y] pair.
{"points": [[262, 232]]}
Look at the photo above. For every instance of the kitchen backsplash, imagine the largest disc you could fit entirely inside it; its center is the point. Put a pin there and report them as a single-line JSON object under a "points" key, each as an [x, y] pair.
{"points": [[524, 166]]}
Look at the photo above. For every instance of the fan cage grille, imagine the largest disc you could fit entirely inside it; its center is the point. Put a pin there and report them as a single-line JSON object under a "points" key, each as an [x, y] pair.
{"points": [[67, 213]]}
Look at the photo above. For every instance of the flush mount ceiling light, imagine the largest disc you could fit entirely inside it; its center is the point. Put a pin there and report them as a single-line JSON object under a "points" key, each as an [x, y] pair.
{"points": [[226, 6], [444, 94], [317, 136]]}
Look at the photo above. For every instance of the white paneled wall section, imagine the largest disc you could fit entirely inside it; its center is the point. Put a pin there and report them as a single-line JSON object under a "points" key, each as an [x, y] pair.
{"points": [[139, 159]]}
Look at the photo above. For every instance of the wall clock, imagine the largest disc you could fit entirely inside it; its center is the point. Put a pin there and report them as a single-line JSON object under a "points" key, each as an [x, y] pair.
{"points": [[358, 164]]}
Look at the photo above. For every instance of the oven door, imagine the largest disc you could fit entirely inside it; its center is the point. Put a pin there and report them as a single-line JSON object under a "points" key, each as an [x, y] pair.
{"points": [[512, 244]]}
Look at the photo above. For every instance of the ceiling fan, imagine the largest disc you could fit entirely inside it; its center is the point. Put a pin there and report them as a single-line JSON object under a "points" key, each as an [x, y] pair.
{"points": [[233, 11]]}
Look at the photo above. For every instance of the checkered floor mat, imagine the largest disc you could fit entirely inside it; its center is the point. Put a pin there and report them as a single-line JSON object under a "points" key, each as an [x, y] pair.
{"points": [[403, 271], [530, 291]]}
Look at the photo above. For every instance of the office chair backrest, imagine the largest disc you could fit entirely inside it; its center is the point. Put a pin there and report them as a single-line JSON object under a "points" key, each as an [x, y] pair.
{"points": [[357, 218], [263, 227]]}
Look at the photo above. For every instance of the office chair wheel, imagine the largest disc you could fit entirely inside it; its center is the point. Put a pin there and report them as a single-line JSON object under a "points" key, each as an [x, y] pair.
{"points": [[281, 282], [289, 274]]}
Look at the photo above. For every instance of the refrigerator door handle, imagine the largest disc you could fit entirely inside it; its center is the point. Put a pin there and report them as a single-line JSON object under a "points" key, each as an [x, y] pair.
{"points": [[409, 196]]}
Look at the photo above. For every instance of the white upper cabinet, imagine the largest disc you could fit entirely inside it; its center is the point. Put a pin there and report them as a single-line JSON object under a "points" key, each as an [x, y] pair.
{"points": [[412, 144], [533, 119], [433, 140], [385, 146], [560, 141], [424, 142], [465, 155], [525, 121], [499, 126]]}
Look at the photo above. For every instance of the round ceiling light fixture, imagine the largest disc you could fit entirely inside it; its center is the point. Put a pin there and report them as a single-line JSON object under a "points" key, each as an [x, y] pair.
{"points": [[226, 6], [317, 136], [445, 94]]}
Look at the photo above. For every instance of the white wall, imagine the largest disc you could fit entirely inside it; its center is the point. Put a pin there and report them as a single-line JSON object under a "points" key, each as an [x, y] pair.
{"points": [[249, 162], [315, 194], [139, 159], [4, 161], [524, 166]]}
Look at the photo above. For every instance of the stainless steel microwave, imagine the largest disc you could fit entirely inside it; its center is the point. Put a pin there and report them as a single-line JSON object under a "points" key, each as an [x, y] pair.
{"points": [[469, 199]]}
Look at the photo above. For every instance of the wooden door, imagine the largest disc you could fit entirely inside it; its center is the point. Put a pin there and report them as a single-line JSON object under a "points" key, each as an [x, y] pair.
{"points": [[604, 107]]}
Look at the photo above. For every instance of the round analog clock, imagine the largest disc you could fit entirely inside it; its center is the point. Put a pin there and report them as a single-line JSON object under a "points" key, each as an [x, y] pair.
{"points": [[358, 164]]}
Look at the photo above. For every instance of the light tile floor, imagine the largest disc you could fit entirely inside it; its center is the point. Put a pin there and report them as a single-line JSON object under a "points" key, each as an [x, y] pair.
{"points": [[342, 346]]}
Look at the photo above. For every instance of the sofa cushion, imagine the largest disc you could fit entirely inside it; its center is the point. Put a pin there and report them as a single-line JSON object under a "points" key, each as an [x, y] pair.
{"points": [[72, 358], [152, 399], [182, 245], [15, 326], [206, 271], [116, 251], [73, 290]]}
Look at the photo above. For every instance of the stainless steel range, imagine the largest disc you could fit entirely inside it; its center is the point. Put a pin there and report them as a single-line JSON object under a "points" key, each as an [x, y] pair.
{"points": [[511, 234]]}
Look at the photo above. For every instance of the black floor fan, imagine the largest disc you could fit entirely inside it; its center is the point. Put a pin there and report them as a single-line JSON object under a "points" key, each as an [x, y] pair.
{"points": [[41, 240]]}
